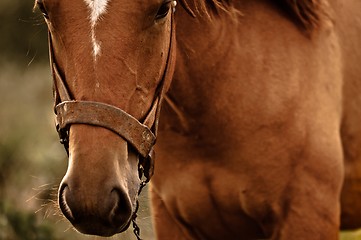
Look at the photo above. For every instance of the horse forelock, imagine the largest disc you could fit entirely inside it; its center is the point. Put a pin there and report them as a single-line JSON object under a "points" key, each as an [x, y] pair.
{"points": [[309, 14]]}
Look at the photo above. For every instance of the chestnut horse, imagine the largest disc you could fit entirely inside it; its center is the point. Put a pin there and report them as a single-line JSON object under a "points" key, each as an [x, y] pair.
{"points": [[260, 131]]}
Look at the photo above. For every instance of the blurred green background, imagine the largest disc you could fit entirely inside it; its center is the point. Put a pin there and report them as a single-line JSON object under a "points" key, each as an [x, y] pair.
{"points": [[32, 162]]}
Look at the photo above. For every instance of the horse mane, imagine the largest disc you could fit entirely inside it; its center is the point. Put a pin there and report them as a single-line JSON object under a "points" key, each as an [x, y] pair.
{"points": [[306, 13]]}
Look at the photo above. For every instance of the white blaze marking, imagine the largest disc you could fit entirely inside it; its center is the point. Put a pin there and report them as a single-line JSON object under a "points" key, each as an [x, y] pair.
{"points": [[97, 8]]}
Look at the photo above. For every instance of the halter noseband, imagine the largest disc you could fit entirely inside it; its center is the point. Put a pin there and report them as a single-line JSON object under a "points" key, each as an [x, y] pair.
{"points": [[140, 135]]}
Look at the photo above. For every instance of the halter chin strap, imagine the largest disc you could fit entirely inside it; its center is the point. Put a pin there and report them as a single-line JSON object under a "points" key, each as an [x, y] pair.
{"points": [[141, 136]]}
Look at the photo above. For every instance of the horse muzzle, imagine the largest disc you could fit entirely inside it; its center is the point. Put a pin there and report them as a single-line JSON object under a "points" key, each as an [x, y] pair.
{"points": [[98, 193], [104, 216]]}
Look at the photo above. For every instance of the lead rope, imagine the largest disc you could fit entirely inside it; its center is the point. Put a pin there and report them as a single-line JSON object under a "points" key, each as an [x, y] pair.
{"points": [[136, 228], [143, 183]]}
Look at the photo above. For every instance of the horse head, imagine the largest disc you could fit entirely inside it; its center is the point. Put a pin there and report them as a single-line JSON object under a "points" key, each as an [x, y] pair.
{"points": [[112, 61]]}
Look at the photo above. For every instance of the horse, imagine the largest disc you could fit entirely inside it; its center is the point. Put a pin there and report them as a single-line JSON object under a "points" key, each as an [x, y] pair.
{"points": [[259, 132]]}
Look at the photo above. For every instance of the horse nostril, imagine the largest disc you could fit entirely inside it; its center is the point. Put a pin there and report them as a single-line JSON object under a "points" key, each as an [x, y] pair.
{"points": [[64, 207], [122, 209]]}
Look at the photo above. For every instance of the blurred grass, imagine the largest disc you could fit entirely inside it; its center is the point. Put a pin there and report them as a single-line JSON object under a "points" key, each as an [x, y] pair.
{"points": [[350, 235]]}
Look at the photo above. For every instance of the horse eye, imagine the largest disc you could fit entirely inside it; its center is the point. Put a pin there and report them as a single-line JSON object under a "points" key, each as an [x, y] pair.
{"points": [[42, 8], [163, 10]]}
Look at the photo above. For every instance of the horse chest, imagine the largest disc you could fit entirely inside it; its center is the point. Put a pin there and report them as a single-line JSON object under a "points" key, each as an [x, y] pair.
{"points": [[210, 192]]}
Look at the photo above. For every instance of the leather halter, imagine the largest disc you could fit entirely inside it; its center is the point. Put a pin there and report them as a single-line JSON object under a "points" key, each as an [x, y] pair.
{"points": [[140, 135]]}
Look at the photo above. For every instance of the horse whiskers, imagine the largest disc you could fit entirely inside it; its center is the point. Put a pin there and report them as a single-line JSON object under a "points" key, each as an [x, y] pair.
{"points": [[40, 190], [47, 194], [51, 209], [33, 197], [70, 227], [48, 209]]}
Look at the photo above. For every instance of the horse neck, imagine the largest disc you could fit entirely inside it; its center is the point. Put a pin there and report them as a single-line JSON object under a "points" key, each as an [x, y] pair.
{"points": [[203, 51]]}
